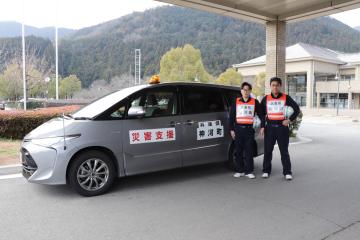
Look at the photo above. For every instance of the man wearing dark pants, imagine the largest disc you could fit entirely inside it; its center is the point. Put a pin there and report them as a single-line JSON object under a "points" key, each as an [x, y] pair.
{"points": [[277, 127], [241, 121]]}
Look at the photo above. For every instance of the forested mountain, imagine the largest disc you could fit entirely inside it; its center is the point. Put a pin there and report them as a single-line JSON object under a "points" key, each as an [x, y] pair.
{"points": [[39, 53], [107, 50], [13, 29], [357, 28]]}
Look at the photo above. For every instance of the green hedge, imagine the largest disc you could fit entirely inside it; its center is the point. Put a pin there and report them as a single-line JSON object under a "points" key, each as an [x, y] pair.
{"points": [[16, 124], [294, 127]]}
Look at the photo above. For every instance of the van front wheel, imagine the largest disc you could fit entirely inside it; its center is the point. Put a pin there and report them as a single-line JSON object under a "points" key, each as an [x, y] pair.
{"points": [[91, 173]]}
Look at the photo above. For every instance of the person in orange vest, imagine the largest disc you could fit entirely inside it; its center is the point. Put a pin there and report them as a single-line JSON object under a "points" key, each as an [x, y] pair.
{"points": [[277, 127], [241, 120]]}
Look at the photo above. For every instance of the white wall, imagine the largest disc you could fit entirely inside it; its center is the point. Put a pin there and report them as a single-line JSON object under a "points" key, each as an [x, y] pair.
{"points": [[251, 70]]}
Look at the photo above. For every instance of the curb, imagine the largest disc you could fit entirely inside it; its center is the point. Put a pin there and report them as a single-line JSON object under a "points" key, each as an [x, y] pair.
{"points": [[10, 166], [10, 170], [10, 176], [302, 141]]}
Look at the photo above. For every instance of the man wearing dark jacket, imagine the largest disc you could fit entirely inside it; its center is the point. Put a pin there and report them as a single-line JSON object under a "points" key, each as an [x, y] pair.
{"points": [[277, 127], [242, 116]]}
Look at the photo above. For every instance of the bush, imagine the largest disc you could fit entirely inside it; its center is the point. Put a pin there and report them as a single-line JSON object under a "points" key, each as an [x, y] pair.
{"points": [[294, 127], [16, 124]]}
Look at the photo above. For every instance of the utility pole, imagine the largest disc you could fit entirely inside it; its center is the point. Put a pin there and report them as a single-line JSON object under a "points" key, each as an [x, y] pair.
{"points": [[56, 52], [137, 67], [23, 57], [56, 63]]}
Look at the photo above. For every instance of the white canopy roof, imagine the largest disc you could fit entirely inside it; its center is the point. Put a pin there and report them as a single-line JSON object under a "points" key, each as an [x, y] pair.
{"points": [[268, 10]]}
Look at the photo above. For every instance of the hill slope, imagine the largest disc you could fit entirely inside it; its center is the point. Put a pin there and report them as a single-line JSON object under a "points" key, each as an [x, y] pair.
{"points": [[107, 50], [13, 29], [39, 53], [109, 47]]}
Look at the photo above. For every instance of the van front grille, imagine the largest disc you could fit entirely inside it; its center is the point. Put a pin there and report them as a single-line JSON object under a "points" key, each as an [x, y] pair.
{"points": [[28, 164]]}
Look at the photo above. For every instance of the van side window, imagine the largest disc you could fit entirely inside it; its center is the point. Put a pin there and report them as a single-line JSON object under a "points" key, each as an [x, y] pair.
{"points": [[157, 103], [118, 113], [231, 96], [202, 100]]}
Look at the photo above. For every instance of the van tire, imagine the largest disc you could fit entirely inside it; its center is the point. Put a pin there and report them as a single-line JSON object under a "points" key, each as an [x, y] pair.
{"points": [[104, 177], [231, 163]]}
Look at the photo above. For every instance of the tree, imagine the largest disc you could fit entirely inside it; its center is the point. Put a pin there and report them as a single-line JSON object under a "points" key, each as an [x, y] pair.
{"points": [[183, 64], [102, 87], [11, 86], [230, 77], [259, 88], [51, 86], [36, 85], [69, 86]]}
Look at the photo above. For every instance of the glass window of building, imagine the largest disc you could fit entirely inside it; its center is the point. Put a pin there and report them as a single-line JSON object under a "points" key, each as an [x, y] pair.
{"points": [[296, 88]]}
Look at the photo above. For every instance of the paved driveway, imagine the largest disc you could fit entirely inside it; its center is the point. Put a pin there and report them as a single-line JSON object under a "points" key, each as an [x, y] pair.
{"points": [[322, 202]]}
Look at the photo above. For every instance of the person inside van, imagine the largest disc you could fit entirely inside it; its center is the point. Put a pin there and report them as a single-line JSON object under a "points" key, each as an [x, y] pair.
{"points": [[241, 120]]}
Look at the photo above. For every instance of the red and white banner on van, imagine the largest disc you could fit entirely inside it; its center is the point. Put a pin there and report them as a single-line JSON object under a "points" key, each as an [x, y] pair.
{"points": [[152, 135]]}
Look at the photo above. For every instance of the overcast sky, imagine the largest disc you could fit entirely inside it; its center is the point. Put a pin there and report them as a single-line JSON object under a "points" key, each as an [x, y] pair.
{"points": [[83, 13]]}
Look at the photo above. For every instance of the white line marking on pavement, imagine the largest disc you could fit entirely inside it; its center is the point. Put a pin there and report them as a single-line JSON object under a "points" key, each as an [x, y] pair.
{"points": [[10, 176], [10, 166], [302, 140]]}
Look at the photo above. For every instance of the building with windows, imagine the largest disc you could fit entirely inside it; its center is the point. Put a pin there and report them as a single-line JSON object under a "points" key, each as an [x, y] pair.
{"points": [[315, 76]]}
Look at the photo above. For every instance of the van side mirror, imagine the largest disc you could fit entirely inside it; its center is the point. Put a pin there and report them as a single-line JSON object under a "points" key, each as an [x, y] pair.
{"points": [[136, 111]]}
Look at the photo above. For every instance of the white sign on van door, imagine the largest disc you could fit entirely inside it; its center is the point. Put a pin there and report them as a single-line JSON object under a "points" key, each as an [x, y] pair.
{"points": [[152, 135], [210, 129]]}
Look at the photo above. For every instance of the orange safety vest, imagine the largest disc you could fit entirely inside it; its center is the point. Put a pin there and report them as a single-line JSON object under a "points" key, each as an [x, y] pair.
{"points": [[275, 107], [245, 111]]}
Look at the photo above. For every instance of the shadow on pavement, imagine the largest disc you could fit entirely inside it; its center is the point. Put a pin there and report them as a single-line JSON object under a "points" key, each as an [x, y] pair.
{"points": [[170, 176]]}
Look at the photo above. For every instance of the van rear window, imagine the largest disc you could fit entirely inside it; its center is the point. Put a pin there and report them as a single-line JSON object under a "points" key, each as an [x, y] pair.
{"points": [[202, 100]]}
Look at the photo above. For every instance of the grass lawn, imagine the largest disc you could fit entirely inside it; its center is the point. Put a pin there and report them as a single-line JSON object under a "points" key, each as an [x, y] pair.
{"points": [[9, 151]]}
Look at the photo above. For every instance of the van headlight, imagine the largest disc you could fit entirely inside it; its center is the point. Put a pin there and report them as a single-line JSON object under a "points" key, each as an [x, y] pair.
{"points": [[50, 141]]}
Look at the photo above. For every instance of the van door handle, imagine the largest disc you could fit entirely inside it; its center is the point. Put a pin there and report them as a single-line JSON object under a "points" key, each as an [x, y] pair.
{"points": [[190, 122], [173, 124]]}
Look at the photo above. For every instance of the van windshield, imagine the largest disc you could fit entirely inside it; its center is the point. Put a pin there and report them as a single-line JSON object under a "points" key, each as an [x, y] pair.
{"points": [[100, 105]]}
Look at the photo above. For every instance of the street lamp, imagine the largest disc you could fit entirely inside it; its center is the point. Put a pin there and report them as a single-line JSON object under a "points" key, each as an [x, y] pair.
{"points": [[337, 77]]}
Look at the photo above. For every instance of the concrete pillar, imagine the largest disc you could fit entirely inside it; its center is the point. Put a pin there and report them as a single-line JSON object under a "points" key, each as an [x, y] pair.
{"points": [[318, 100], [275, 52], [349, 99], [357, 73], [357, 101], [357, 95], [310, 85]]}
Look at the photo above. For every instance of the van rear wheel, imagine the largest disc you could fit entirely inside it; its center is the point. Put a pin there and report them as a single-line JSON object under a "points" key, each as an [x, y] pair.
{"points": [[91, 173], [231, 163]]}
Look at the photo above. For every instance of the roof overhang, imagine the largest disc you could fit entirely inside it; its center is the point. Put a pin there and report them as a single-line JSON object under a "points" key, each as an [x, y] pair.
{"points": [[243, 65], [262, 11]]}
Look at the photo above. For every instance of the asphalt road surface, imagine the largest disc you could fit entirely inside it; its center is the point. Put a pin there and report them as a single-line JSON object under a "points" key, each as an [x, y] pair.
{"points": [[322, 202]]}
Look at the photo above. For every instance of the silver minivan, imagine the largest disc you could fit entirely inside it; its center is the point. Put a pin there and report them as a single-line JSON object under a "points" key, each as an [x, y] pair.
{"points": [[140, 129]]}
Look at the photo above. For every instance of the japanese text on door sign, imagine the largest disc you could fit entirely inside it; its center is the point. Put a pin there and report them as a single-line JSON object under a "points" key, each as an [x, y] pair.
{"points": [[210, 129], [152, 135]]}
